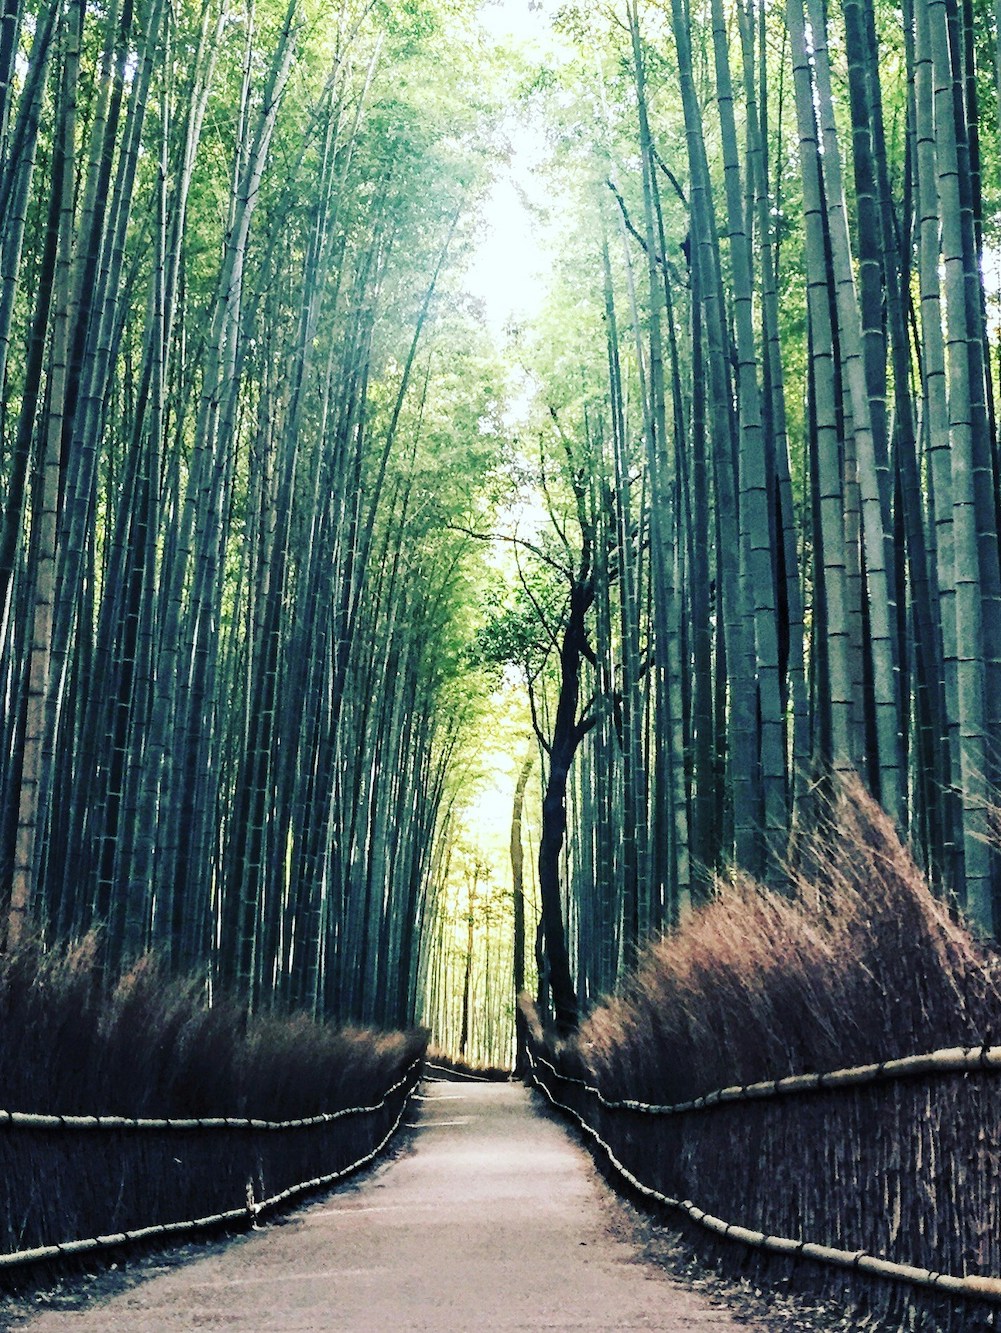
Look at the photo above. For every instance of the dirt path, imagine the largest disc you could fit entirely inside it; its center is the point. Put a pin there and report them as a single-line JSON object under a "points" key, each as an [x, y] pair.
{"points": [[493, 1218]]}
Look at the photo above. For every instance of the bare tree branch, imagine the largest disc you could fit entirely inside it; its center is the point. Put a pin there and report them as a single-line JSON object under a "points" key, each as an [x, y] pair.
{"points": [[537, 607], [513, 540]]}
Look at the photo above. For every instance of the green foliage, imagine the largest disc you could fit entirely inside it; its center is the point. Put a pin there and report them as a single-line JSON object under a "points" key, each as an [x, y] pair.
{"points": [[521, 624]]}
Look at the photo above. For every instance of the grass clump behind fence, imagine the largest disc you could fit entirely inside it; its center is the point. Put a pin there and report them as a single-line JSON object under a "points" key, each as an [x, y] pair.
{"points": [[440, 1064], [152, 1049], [859, 964]]}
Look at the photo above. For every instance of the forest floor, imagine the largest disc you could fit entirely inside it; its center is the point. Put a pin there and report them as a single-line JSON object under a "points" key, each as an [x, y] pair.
{"points": [[487, 1216]]}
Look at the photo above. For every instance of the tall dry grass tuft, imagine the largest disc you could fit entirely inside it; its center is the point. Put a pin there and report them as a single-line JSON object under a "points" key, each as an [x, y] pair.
{"points": [[152, 1048], [858, 964]]}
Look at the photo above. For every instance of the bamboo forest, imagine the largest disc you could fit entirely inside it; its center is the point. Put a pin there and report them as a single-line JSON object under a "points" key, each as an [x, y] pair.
{"points": [[500, 562], [302, 547]]}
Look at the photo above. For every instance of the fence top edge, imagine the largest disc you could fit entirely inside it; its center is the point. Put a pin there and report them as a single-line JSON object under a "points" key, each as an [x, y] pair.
{"points": [[950, 1059], [33, 1120]]}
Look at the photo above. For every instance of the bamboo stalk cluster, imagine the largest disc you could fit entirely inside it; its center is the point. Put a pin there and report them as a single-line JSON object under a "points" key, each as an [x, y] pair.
{"points": [[781, 413], [227, 589]]}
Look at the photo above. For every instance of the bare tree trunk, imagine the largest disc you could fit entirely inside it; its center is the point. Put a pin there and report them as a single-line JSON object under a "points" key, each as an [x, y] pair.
{"points": [[518, 885]]}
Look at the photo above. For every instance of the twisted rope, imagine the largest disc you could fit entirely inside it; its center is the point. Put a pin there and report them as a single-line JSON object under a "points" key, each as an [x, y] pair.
{"points": [[249, 1211], [951, 1060]]}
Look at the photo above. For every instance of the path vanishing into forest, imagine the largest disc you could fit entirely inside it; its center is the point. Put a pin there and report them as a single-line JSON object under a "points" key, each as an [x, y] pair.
{"points": [[491, 1217]]}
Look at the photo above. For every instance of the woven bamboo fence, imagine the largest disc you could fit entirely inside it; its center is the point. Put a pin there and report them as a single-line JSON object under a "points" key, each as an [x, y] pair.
{"points": [[885, 1174], [77, 1184]]}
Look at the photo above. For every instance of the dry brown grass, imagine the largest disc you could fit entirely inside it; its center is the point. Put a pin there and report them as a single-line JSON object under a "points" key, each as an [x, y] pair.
{"points": [[862, 964], [152, 1048]]}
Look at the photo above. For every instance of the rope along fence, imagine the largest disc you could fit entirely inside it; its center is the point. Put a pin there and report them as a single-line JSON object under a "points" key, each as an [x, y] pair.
{"points": [[953, 1060], [632, 1132], [135, 1163]]}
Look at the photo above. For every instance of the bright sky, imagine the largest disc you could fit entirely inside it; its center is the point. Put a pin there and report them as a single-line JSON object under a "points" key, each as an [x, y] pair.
{"points": [[508, 272], [508, 269]]}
